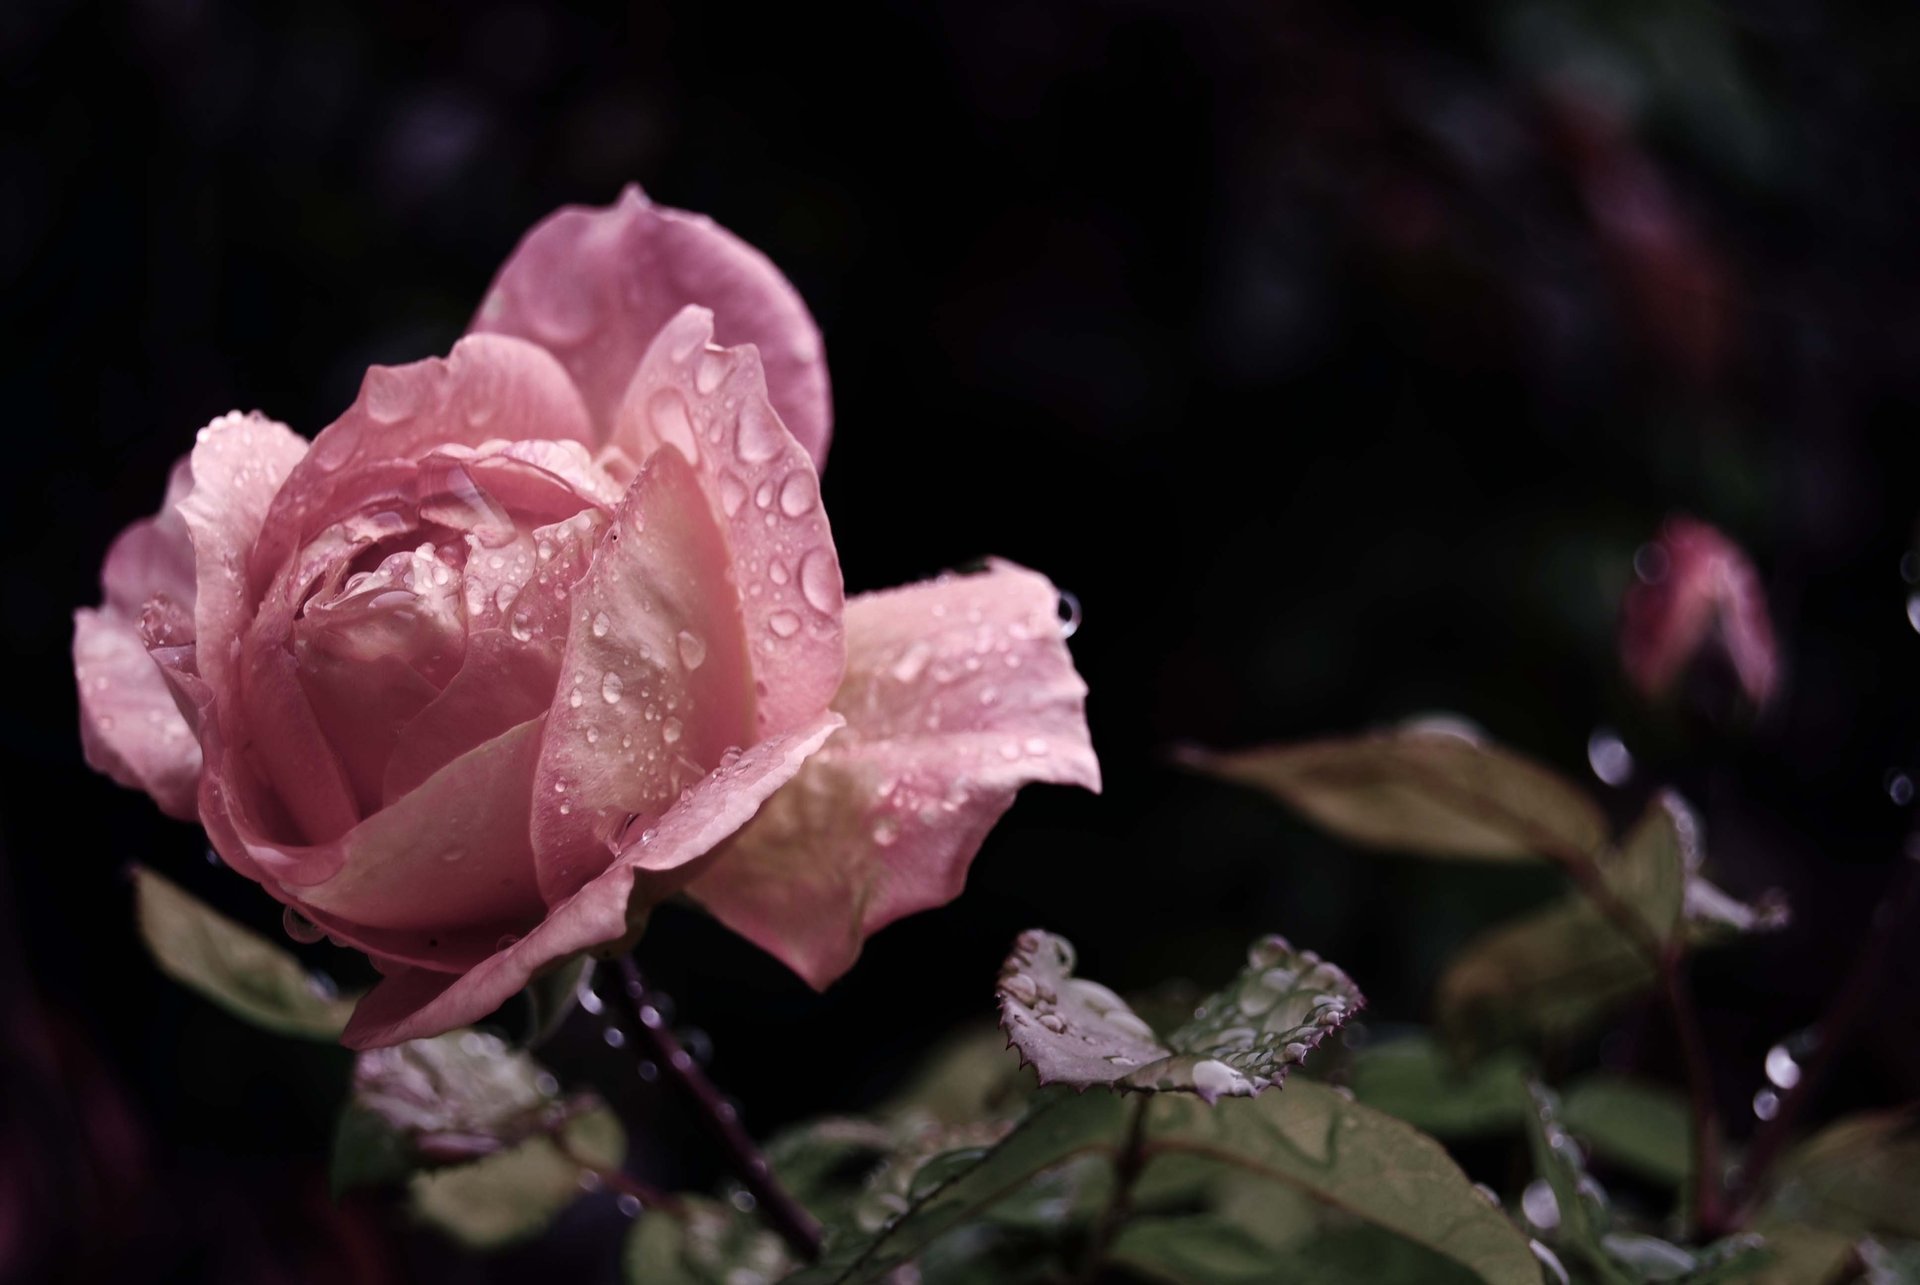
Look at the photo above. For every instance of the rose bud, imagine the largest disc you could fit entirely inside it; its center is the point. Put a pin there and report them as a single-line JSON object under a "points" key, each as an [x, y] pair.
{"points": [[1696, 598], [540, 634]]}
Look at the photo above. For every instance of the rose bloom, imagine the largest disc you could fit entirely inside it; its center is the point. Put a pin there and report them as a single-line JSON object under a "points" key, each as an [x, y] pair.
{"points": [[538, 635], [1696, 596]]}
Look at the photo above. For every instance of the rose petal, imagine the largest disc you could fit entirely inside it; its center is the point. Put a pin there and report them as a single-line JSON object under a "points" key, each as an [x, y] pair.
{"points": [[958, 692], [239, 463], [595, 286], [490, 387], [410, 1003], [154, 555], [130, 727], [654, 686], [452, 852], [710, 404]]}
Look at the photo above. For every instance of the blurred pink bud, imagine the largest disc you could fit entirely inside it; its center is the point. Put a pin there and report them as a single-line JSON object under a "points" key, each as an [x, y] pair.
{"points": [[1696, 595]]}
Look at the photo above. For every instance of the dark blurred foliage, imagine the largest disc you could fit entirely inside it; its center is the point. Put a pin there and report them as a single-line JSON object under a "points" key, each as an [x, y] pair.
{"points": [[1338, 361]]}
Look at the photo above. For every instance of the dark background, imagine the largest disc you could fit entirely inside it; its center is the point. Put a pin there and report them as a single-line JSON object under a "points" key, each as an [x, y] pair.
{"points": [[1338, 363]]}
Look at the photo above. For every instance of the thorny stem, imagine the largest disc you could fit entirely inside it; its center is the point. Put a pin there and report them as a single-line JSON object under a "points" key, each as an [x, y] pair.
{"points": [[722, 1122], [1127, 1166], [1836, 1028]]}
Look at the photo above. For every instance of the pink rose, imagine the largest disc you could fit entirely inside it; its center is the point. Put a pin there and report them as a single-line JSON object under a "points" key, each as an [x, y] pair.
{"points": [[523, 642]]}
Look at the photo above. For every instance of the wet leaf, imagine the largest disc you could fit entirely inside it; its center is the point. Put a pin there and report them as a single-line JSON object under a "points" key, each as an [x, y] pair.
{"points": [[514, 1194], [1860, 1174], [236, 968], [967, 1078], [477, 1129], [1429, 789], [1799, 1254], [1569, 1207], [1211, 1251], [1242, 1039], [1415, 1080], [1247, 1162], [703, 1242], [1643, 1127]]}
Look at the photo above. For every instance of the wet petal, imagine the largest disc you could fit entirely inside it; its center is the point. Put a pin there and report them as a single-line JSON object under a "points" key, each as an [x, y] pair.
{"points": [[602, 916], [710, 406], [654, 687], [130, 727], [596, 285], [489, 388], [958, 692], [154, 555]]}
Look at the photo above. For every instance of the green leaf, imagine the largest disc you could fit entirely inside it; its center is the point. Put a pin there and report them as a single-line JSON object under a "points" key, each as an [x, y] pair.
{"points": [[1551, 975], [1241, 1040], [1799, 1254], [552, 996], [1641, 1127], [1348, 1158], [234, 967], [1430, 788], [1415, 1080], [514, 1194], [702, 1242], [1252, 1163], [966, 1079], [1860, 1174], [1211, 1251], [1564, 1202], [477, 1129]]}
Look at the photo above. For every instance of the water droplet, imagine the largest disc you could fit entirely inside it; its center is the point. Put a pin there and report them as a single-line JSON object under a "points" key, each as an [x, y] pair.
{"points": [[1782, 1069], [1900, 788], [453, 854], [615, 1037], [1053, 1022], [799, 493], [1214, 1079], [629, 1205], [911, 662], [820, 580], [1036, 746], [709, 372], [1766, 1104], [1539, 1206], [1910, 567], [574, 698], [759, 436], [566, 808], [520, 627], [561, 314], [1913, 611], [671, 730], [1021, 988], [784, 624], [1609, 757], [667, 412], [610, 685], [1069, 610], [692, 649], [601, 623], [885, 831], [733, 493], [299, 927], [1650, 563], [391, 395]]}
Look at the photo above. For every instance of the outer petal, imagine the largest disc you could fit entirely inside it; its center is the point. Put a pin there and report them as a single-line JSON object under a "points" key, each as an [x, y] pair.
{"points": [[958, 692], [239, 464], [654, 687], [413, 1003], [596, 285], [130, 727], [710, 404], [490, 387]]}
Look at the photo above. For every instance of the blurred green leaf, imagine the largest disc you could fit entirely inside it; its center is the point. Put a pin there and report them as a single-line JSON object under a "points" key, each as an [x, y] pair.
{"points": [[1639, 1126], [1242, 1039], [1891, 1264], [1860, 1174], [515, 1193], [1415, 1080], [490, 1150], [1208, 1251], [1569, 1208], [234, 967], [967, 1078], [1799, 1254], [702, 1242], [1425, 788], [552, 996]]}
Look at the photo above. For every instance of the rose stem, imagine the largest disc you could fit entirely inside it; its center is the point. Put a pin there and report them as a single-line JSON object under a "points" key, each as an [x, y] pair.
{"points": [[1127, 1166], [722, 1122], [1837, 1026]]}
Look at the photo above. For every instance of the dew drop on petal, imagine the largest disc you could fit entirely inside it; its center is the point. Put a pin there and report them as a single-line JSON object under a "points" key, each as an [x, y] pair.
{"points": [[784, 624], [692, 649], [885, 831], [799, 493], [299, 927], [610, 685], [671, 729], [819, 580], [601, 623], [759, 437], [1069, 614], [667, 412]]}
